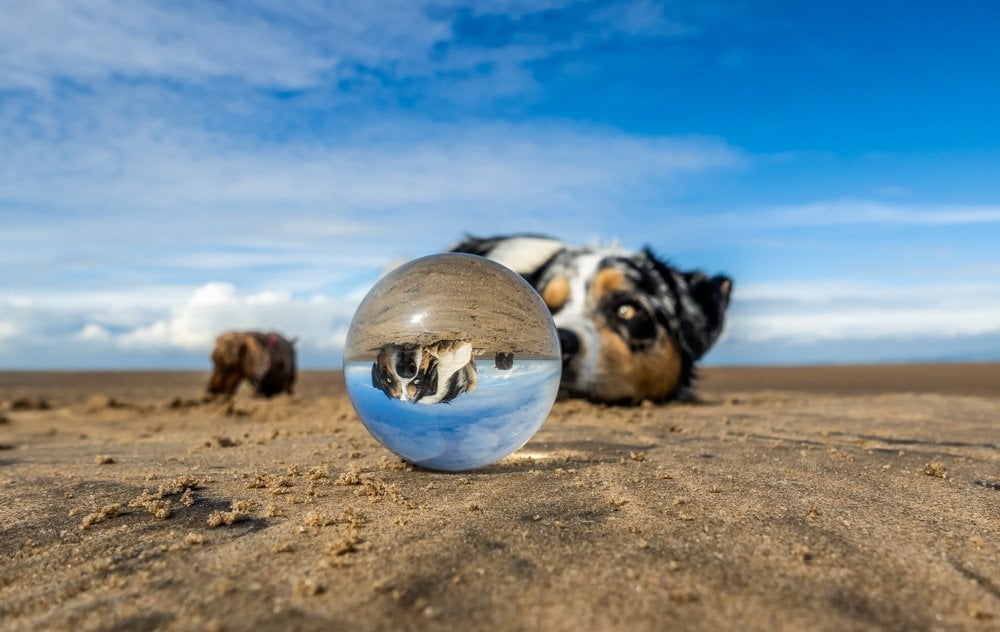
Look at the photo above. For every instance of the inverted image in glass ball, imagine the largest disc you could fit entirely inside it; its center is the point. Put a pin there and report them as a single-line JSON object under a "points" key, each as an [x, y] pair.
{"points": [[452, 362]]}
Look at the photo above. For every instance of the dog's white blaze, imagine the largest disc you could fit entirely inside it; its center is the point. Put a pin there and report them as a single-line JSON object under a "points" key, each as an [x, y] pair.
{"points": [[574, 316], [525, 254], [404, 382], [585, 363]]}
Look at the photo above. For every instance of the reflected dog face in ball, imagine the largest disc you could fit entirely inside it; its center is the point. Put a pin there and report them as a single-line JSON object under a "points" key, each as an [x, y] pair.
{"points": [[630, 325], [428, 374]]}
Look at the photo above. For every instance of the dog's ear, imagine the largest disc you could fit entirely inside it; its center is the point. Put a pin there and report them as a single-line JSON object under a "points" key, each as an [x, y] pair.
{"points": [[711, 296], [700, 301]]}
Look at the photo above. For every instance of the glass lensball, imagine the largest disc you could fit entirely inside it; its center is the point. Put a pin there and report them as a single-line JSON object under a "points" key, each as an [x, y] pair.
{"points": [[452, 362]]}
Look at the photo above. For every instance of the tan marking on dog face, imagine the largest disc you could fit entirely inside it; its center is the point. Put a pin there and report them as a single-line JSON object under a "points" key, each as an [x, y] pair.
{"points": [[608, 280], [383, 361], [635, 375], [556, 293]]}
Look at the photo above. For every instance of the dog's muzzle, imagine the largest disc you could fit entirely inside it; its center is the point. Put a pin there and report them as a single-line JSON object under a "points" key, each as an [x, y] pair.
{"points": [[407, 369], [569, 344]]}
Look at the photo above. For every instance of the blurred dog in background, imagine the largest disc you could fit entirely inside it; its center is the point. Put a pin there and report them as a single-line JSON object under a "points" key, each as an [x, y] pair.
{"points": [[265, 360]]}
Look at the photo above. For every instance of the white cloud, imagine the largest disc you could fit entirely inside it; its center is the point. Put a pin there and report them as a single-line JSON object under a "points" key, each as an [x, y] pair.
{"points": [[217, 307], [845, 311], [8, 329], [422, 165], [94, 333], [99, 39], [81, 328]]}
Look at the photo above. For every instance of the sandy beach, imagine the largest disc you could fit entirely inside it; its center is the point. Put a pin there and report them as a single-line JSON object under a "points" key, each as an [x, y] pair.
{"points": [[804, 498]]}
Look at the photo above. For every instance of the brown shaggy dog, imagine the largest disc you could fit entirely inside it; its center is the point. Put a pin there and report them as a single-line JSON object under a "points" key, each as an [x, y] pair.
{"points": [[266, 360]]}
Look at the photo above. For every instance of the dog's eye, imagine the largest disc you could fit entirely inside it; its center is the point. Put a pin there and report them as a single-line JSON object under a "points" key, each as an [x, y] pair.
{"points": [[627, 311]]}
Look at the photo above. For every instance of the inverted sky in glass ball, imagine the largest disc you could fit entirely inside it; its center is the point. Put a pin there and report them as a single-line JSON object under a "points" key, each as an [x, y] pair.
{"points": [[452, 362]]}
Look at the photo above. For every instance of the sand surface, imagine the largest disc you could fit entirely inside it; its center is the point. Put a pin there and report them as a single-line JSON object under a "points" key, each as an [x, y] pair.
{"points": [[821, 498], [444, 297]]}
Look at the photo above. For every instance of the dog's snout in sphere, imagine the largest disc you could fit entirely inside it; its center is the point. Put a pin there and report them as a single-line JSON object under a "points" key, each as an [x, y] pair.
{"points": [[569, 343], [407, 370]]}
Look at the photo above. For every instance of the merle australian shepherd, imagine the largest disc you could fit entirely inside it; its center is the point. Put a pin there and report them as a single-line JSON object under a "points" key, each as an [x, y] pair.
{"points": [[631, 326]]}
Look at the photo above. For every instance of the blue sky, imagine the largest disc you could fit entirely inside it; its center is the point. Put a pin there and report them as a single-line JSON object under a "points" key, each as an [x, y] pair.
{"points": [[171, 170]]}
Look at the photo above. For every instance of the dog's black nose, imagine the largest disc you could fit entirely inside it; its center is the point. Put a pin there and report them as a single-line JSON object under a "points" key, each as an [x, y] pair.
{"points": [[569, 344], [407, 370]]}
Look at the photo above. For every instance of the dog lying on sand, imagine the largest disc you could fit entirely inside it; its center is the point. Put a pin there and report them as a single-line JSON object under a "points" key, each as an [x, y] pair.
{"points": [[631, 326]]}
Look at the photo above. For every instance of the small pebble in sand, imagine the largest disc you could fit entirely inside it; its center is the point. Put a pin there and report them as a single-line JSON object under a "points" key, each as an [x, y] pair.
{"points": [[237, 514], [219, 518], [348, 544], [317, 519], [317, 473], [100, 401], [26, 403], [307, 587], [803, 553], [159, 508], [271, 511], [350, 477], [104, 513], [103, 459], [936, 468], [981, 611]]}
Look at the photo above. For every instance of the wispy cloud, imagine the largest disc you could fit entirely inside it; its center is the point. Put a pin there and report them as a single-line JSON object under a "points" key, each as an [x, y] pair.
{"points": [[867, 212], [188, 201], [48, 41], [302, 43], [129, 330], [851, 310]]}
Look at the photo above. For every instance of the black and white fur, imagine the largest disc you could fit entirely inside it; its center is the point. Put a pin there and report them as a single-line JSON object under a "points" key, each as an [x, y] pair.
{"points": [[429, 374], [631, 326]]}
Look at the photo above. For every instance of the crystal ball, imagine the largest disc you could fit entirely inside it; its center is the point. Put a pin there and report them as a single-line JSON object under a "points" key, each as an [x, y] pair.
{"points": [[452, 361]]}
